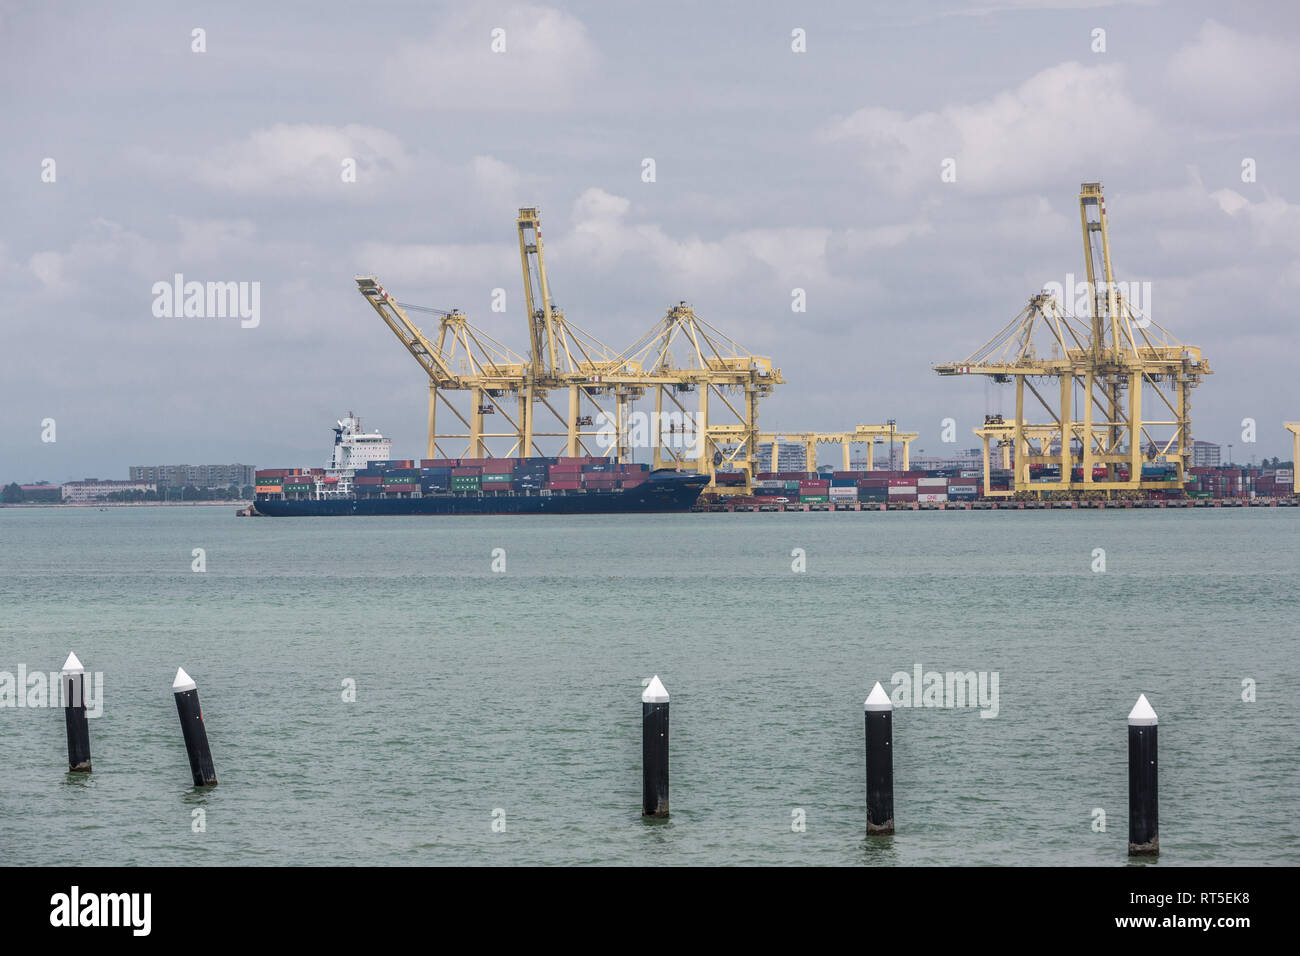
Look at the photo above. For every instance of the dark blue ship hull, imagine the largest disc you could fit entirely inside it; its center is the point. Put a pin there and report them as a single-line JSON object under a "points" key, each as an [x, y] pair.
{"points": [[661, 491]]}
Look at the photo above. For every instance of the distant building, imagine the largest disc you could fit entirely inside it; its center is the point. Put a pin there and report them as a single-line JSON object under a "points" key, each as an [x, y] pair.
{"points": [[1205, 454], [965, 460], [200, 476], [40, 492], [790, 456], [92, 489]]}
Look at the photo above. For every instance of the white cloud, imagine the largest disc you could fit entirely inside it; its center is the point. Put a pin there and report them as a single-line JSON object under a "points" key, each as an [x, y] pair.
{"points": [[602, 235], [548, 56], [1271, 221], [493, 176], [1069, 121], [302, 158], [108, 247], [1229, 73], [438, 263]]}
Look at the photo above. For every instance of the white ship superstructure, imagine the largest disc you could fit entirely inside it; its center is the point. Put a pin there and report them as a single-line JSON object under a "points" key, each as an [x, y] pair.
{"points": [[354, 448]]}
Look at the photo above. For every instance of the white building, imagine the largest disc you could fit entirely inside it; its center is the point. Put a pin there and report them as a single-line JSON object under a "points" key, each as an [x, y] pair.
{"points": [[93, 489], [790, 456], [1206, 454]]}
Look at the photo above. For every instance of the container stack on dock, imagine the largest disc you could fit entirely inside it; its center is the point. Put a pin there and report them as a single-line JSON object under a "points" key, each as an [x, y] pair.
{"points": [[847, 487]]}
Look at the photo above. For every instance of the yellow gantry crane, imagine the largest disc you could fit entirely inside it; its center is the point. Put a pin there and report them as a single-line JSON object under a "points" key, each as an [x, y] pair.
{"points": [[718, 428], [1091, 376], [870, 435], [598, 384]]}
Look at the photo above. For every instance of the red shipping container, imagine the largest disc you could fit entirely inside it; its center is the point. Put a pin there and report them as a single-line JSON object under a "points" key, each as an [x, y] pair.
{"points": [[565, 485], [466, 472], [902, 482], [439, 462], [813, 483], [410, 486], [633, 481], [366, 480], [499, 466]]}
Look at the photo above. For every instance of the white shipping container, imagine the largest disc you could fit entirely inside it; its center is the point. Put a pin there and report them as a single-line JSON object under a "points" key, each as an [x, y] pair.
{"points": [[902, 489], [962, 489], [932, 482], [844, 492], [971, 474], [931, 497]]}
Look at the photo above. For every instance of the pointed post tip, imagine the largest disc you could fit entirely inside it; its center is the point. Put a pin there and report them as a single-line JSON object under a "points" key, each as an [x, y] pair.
{"points": [[878, 699], [1142, 714], [72, 665], [655, 692], [183, 682]]}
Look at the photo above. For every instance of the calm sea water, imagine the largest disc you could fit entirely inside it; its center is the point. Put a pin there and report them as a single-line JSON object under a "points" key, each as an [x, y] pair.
{"points": [[484, 696]]}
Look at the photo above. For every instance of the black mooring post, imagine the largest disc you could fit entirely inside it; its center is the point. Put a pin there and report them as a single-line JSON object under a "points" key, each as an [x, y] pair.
{"points": [[74, 715], [1143, 773], [196, 734], [654, 750], [879, 716]]}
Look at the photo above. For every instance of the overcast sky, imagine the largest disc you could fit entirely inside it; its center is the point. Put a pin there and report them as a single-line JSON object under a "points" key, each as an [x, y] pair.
{"points": [[774, 170]]}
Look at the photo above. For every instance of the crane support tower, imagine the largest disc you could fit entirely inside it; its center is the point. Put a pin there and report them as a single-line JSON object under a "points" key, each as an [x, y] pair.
{"points": [[1095, 378], [1294, 429]]}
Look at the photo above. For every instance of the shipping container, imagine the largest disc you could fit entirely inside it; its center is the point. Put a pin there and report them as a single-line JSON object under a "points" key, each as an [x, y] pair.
{"points": [[902, 489], [931, 496], [932, 482], [269, 489], [812, 498], [466, 471], [367, 480], [497, 479], [565, 484]]}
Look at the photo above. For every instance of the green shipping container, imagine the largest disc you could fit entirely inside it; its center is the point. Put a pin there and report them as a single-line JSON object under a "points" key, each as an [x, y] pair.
{"points": [[498, 479], [814, 497], [298, 488]]}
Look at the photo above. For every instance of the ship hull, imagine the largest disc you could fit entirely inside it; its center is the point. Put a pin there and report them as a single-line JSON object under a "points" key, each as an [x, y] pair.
{"points": [[669, 492]]}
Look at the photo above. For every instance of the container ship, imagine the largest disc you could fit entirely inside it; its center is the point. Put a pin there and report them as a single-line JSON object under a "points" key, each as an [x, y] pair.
{"points": [[362, 479]]}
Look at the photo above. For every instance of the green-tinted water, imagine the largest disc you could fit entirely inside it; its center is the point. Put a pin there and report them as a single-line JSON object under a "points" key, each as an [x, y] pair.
{"points": [[520, 692]]}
